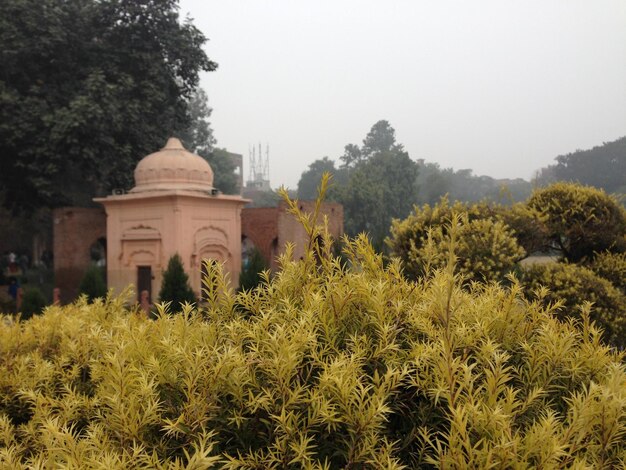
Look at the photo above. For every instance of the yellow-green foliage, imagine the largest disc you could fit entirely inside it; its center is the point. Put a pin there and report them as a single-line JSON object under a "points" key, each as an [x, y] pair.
{"points": [[571, 285], [323, 366], [485, 247], [580, 220], [528, 225], [611, 266]]}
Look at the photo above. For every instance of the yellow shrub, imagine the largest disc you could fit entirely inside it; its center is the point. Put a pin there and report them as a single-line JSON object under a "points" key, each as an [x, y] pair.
{"points": [[580, 220], [572, 286], [486, 248], [323, 366]]}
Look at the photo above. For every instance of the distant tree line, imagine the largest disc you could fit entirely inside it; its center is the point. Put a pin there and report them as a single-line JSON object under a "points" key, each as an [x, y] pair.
{"points": [[378, 182], [603, 166]]}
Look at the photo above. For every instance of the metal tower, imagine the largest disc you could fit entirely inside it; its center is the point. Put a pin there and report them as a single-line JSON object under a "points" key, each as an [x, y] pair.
{"points": [[259, 175]]}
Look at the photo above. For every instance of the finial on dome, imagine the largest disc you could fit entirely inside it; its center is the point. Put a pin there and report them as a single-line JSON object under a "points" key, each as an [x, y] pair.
{"points": [[173, 144], [172, 168]]}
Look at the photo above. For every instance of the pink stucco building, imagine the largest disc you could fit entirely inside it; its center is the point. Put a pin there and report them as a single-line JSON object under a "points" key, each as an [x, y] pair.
{"points": [[173, 208]]}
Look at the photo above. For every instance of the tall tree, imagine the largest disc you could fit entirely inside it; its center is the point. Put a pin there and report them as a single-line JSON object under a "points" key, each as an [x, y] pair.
{"points": [[87, 88], [375, 183], [310, 179], [198, 137], [351, 157], [380, 138], [380, 189], [225, 178]]}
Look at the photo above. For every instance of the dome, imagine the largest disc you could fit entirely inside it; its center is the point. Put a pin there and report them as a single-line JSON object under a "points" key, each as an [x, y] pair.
{"points": [[173, 167]]}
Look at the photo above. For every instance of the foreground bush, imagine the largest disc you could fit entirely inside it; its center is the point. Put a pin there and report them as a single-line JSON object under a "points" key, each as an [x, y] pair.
{"points": [[320, 367]]}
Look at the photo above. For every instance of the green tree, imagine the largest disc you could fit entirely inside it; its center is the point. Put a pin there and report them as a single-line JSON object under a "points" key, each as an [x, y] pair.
{"points": [[462, 185], [87, 88], [351, 157], [433, 183], [603, 166], [250, 275], [175, 286], [310, 179], [198, 137], [381, 184], [92, 284], [379, 190], [381, 138], [375, 183], [225, 178], [33, 302]]}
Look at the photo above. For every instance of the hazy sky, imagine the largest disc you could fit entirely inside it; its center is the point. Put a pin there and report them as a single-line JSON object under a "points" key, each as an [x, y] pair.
{"points": [[498, 86]]}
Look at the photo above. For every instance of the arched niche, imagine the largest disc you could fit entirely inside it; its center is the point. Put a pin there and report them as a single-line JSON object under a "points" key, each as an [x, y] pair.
{"points": [[98, 251], [210, 242], [141, 246]]}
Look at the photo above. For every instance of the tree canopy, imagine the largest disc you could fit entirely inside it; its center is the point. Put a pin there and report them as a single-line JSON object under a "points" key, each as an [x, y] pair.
{"points": [[375, 182], [87, 88], [198, 136], [603, 166], [310, 179], [462, 185], [381, 188]]}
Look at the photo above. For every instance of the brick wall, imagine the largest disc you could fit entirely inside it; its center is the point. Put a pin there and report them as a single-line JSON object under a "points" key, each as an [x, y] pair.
{"points": [[75, 229], [260, 226], [271, 228]]}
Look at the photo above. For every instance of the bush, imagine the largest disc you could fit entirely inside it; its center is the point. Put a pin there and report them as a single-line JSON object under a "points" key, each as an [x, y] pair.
{"points": [[611, 266], [323, 367], [175, 286], [93, 284], [572, 286], [580, 220], [528, 226], [33, 302], [486, 248]]}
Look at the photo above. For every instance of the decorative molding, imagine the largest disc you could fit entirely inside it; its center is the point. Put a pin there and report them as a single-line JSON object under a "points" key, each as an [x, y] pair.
{"points": [[141, 232]]}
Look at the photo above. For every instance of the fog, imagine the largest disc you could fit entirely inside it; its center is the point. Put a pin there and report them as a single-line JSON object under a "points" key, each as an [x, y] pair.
{"points": [[498, 86]]}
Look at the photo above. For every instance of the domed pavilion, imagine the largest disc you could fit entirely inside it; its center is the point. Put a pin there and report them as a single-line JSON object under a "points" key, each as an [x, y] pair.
{"points": [[173, 208]]}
